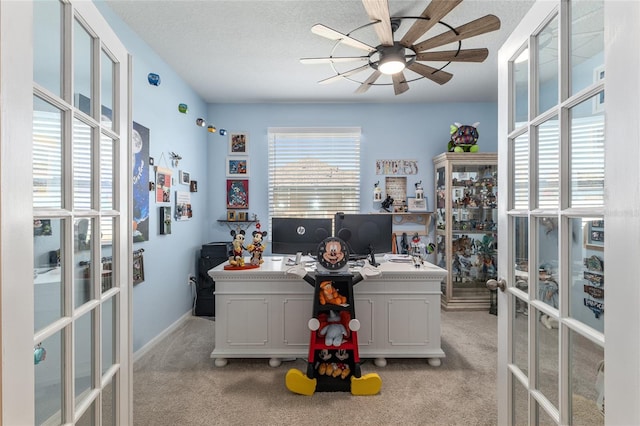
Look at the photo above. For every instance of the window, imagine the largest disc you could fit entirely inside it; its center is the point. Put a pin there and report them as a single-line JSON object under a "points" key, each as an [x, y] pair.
{"points": [[314, 172]]}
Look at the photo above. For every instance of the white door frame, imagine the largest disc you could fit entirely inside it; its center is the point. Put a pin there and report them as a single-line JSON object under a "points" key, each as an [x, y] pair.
{"points": [[622, 171], [16, 245], [622, 204]]}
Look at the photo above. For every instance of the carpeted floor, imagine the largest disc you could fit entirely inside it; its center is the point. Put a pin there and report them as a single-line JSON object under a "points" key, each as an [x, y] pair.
{"points": [[177, 384]]}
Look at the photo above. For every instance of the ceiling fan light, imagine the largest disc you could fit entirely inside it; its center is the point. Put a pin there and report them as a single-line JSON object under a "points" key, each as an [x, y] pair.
{"points": [[391, 64]]}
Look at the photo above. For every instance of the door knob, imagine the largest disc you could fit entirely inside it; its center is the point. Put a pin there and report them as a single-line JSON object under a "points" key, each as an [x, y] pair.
{"points": [[494, 284]]}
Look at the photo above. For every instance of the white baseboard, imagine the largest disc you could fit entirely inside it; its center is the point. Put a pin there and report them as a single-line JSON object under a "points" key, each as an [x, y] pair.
{"points": [[146, 348]]}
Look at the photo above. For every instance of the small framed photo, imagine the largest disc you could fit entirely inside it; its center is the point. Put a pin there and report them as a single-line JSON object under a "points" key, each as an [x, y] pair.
{"points": [[193, 186], [231, 216], [237, 193], [185, 177], [417, 205], [242, 216], [594, 235], [238, 143], [237, 166]]}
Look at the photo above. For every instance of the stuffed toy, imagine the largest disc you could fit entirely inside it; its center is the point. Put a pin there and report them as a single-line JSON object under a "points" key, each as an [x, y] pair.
{"points": [[256, 247], [334, 369], [333, 331], [235, 257], [464, 138], [329, 294]]}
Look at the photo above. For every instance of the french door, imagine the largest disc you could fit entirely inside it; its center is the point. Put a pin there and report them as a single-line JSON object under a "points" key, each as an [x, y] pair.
{"points": [[66, 227], [559, 260]]}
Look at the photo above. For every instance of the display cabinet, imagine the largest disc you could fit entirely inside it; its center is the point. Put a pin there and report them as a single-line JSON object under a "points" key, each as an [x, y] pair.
{"points": [[466, 191]]}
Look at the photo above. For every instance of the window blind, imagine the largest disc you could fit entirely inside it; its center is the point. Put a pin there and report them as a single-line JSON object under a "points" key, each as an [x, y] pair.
{"points": [[313, 172], [586, 164], [48, 161]]}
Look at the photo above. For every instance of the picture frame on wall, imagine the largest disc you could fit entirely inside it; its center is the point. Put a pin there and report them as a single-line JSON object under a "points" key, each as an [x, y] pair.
{"points": [[237, 166], [417, 205], [238, 143], [185, 177], [237, 194], [594, 235]]}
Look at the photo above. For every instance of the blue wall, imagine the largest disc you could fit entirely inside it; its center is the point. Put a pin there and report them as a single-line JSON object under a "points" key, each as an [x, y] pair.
{"points": [[165, 296], [398, 131]]}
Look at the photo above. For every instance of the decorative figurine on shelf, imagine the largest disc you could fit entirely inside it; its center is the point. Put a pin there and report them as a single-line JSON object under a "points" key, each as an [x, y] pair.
{"points": [[387, 203], [464, 138], [419, 191], [377, 192], [235, 257], [256, 248]]}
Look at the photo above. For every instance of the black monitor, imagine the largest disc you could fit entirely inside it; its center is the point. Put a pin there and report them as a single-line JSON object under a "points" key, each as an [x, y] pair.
{"points": [[365, 233], [290, 235]]}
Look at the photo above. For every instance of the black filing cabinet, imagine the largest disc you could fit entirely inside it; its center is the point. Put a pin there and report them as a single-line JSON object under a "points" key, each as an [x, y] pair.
{"points": [[211, 255]]}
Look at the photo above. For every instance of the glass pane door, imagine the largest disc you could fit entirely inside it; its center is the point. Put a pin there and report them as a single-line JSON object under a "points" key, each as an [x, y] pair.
{"points": [[80, 288], [552, 158]]}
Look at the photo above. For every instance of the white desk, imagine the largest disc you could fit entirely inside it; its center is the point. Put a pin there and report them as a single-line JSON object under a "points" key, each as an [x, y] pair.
{"points": [[263, 313]]}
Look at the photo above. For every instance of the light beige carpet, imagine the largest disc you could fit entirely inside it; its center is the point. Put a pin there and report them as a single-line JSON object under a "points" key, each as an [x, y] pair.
{"points": [[178, 384]]}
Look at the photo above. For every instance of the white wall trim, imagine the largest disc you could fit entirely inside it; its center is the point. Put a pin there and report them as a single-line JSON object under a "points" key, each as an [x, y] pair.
{"points": [[153, 342]]}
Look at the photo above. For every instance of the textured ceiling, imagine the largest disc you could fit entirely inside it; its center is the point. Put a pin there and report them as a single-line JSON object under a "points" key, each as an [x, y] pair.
{"points": [[246, 51]]}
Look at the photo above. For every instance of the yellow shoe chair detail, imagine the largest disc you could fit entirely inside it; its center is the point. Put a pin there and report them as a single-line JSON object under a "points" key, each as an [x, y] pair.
{"points": [[297, 382], [367, 384]]}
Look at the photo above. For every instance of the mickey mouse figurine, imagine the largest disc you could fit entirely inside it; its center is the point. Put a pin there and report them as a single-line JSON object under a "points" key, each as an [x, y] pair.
{"points": [[235, 256], [256, 248]]}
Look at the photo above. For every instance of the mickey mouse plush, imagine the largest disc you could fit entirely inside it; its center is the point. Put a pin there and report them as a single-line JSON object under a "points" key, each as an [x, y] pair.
{"points": [[235, 256], [256, 247]]}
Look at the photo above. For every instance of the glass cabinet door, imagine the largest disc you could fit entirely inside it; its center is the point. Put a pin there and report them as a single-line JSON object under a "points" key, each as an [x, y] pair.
{"points": [[466, 227]]}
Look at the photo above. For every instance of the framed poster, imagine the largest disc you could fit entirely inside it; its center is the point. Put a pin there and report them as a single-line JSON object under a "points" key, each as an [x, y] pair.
{"points": [[183, 205], [237, 166], [163, 185], [238, 143], [141, 160], [396, 188], [237, 194]]}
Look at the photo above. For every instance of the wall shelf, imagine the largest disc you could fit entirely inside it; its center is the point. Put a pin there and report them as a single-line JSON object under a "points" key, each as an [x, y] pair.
{"points": [[239, 224]]}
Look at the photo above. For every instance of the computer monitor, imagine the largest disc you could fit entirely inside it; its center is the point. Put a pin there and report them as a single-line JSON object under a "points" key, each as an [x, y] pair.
{"points": [[364, 234], [290, 235]]}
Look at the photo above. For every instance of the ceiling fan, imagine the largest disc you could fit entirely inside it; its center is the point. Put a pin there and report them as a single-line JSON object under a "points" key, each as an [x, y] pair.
{"points": [[393, 57]]}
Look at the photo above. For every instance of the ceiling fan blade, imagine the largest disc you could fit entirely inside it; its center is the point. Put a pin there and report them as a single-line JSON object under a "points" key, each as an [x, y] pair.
{"points": [[333, 59], [368, 82], [331, 34], [482, 25], [344, 74], [433, 74], [378, 10], [436, 10], [468, 55], [400, 84]]}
